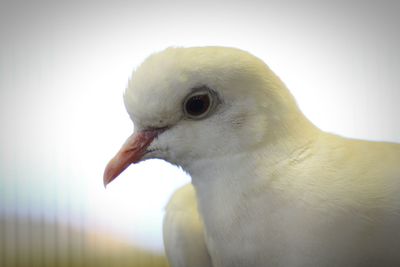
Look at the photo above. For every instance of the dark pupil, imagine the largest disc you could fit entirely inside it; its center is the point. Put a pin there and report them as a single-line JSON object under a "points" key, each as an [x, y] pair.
{"points": [[197, 105]]}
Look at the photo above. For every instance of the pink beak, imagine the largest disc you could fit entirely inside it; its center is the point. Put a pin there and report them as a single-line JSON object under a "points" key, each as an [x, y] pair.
{"points": [[131, 151]]}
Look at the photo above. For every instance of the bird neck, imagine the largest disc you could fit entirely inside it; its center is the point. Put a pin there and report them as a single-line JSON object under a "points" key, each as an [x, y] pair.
{"points": [[240, 173]]}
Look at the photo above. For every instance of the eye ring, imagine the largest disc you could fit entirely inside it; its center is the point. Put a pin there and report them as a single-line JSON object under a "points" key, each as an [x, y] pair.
{"points": [[198, 104]]}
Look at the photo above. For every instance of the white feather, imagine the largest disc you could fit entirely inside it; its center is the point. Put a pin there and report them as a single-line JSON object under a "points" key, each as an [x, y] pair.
{"points": [[183, 231], [271, 188]]}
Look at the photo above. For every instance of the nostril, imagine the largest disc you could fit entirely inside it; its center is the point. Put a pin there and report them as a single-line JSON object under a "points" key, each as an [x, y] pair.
{"points": [[156, 129]]}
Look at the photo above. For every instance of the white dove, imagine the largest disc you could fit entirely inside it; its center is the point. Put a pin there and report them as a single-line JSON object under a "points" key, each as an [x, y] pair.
{"points": [[268, 187]]}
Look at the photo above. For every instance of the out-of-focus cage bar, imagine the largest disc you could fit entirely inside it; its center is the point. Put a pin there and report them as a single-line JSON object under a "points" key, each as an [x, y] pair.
{"points": [[43, 220], [29, 243]]}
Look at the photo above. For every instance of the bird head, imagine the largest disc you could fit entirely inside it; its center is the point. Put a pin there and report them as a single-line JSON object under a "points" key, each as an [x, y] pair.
{"points": [[190, 104]]}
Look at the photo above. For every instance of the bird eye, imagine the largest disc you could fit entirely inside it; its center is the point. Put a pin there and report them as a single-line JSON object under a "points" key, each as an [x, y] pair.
{"points": [[197, 105]]}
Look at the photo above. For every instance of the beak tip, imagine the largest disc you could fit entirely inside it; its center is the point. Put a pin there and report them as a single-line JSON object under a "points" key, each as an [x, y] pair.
{"points": [[107, 177]]}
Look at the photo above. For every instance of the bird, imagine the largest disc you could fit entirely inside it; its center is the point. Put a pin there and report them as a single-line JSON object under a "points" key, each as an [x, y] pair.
{"points": [[268, 187]]}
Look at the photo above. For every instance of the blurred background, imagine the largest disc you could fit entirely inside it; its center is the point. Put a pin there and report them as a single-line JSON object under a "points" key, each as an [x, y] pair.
{"points": [[64, 66]]}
